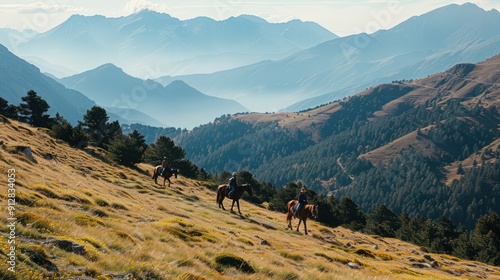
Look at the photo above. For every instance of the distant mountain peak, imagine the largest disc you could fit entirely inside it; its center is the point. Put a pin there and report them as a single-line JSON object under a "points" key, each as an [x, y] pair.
{"points": [[252, 18], [109, 66], [181, 85], [150, 15]]}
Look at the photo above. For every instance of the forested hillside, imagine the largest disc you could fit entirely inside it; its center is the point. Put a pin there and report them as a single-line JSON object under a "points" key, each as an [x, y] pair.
{"points": [[394, 144]]}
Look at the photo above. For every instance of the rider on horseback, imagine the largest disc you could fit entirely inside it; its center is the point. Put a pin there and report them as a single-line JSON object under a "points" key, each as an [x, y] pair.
{"points": [[302, 201], [164, 165], [232, 185]]}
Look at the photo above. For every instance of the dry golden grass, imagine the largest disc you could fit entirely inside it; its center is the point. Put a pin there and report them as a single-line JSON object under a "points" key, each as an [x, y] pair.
{"points": [[129, 226]]}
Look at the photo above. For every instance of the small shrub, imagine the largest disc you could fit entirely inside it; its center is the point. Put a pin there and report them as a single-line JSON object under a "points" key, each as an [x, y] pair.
{"points": [[100, 213], [119, 206], [233, 261], [47, 192], [101, 202], [365, 253]]}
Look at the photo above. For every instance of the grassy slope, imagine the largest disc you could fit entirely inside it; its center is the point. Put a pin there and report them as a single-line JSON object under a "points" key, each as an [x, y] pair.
{"points": [[129, 225]]}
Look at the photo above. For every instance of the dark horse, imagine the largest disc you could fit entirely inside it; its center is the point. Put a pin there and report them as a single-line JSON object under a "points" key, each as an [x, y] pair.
{"points": [[223, 190], [307, 211], [166, 175]]}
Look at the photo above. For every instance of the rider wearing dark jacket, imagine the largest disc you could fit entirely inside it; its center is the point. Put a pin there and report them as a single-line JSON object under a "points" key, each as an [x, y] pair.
{"points": [[232, 185], [302, 201]]}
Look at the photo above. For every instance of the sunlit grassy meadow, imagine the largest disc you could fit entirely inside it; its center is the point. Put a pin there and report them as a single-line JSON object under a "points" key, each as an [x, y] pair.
{"points": [[120, 225]]}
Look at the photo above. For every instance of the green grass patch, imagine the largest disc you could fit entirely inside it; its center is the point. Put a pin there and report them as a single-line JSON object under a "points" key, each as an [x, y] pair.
{"points": [[383, 256], [124, 236], [85, 220], [323, 255], [295, 257], [46, 192], [36, 222]]}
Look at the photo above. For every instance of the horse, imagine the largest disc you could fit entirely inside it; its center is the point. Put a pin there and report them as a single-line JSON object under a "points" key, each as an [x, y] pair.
{"points": [[166, 175], [307, 211], [223, 190]]}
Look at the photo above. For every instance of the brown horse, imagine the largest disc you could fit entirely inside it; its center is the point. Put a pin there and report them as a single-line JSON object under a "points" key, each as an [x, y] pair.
{"points": [[307, 211], [166, 175], [223, 190]]}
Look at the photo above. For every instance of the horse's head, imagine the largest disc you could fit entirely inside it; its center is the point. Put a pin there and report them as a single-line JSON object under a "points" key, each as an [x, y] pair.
{"points": [[315, 211], [247, 188]]}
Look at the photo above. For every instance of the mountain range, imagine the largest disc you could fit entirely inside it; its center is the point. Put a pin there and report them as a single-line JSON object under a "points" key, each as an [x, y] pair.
{"points": [[176, 104], [420, 46], [313, 67], [150, 44]]}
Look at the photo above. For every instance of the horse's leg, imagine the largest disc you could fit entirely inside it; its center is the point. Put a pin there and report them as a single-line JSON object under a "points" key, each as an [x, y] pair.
{"points": [[220, 202], [300, 220], [169, 182], [305, 227], [289, 219], [232, 205], [238, 203]]}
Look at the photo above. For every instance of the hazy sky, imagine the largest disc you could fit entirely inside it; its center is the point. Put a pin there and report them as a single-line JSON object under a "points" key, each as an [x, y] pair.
{"points": [[341, 17]]}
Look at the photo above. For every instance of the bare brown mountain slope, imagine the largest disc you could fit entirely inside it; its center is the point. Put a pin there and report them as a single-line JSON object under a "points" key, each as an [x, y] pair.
{"points": [[473, 84], [79, 217]]}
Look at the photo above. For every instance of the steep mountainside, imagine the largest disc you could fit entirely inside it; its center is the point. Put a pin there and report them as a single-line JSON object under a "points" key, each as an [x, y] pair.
{"points": [[177, 104], [78, 217], [151, 44], [17, 77], [350, 146], [341, 67]]}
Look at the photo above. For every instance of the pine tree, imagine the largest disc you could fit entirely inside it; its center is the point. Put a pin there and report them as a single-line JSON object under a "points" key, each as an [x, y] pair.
{"points": [[164, 147], [383, 222], [352, 217], [61, 129], [34, 109], [96, 127], [8, 110], [127, 149]]}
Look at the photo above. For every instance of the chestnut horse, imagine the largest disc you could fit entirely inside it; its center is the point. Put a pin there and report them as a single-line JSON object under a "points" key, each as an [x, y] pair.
{"points": [[307, 211], [223, 190], [166, 175]]}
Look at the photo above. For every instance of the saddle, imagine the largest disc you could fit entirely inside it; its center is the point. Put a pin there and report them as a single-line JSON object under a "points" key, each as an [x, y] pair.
{"points": [[227, 190]]}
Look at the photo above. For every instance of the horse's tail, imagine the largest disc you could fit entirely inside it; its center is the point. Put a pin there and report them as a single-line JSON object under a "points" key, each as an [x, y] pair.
{"points": [[218, 195], [154, 173], [289, 211]]}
